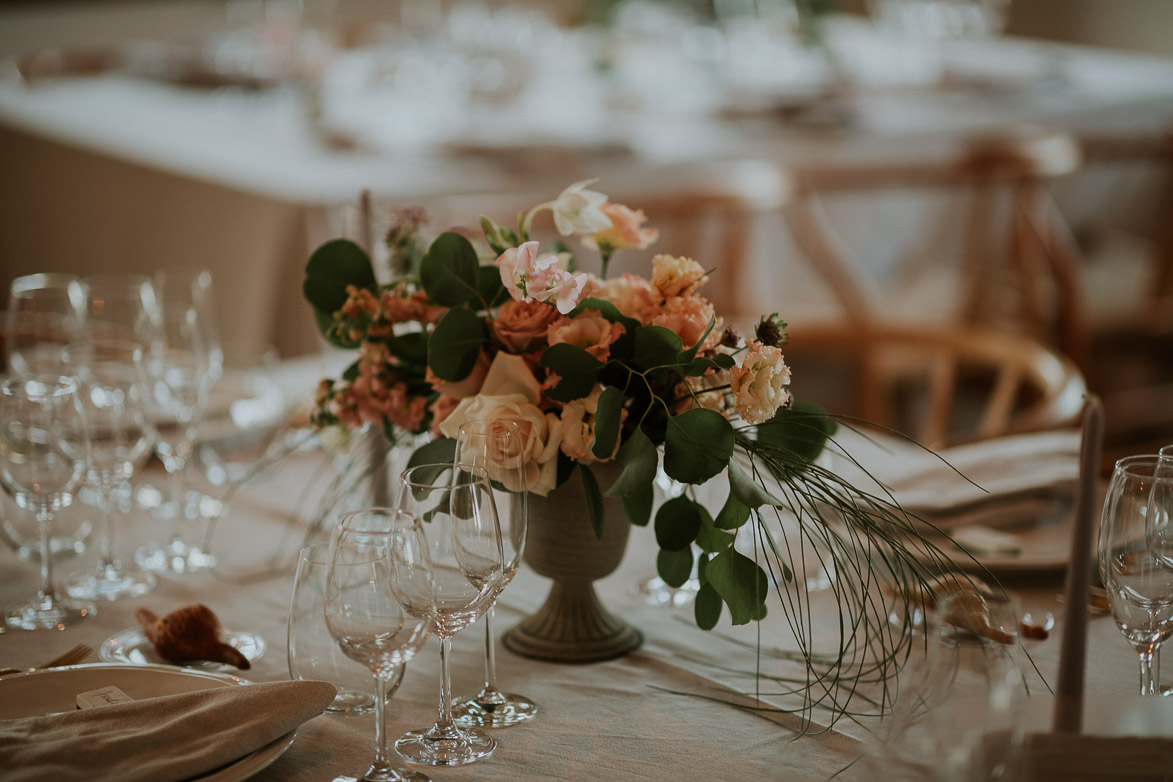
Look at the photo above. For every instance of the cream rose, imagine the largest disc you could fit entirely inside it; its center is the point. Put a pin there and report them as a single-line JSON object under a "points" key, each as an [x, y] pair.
{"points": [[761, 384], [511, 393]]}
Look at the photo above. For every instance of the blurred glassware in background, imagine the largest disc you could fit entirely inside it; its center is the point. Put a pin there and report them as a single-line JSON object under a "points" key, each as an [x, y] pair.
{"points": [[44, 448], [112, 379], [245, 412], [45, 312], [183, 366]]}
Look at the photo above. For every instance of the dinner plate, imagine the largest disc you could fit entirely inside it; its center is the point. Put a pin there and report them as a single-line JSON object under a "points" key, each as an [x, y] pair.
{"points": [[55, 690], [131, 646], [1043, 545]]}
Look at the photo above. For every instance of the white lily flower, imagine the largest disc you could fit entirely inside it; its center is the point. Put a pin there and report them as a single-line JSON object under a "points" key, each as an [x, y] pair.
{"points": [[577, 210]]}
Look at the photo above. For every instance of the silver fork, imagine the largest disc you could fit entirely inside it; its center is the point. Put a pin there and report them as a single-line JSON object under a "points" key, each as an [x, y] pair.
{"points": [[74, 655]]}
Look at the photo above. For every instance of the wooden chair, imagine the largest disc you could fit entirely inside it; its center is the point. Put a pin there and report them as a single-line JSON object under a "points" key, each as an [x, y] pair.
{"points": [[940, 386], [1030, 277]]}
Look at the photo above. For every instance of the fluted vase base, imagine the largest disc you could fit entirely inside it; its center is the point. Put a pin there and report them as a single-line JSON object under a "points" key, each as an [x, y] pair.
{"points": [[572, 627]]}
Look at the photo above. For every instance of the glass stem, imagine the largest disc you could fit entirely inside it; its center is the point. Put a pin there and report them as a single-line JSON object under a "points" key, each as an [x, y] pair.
{"points": [[1148, 672], [106, 553], [43, 519], [490, 653], [445, 726], [380, 763]]}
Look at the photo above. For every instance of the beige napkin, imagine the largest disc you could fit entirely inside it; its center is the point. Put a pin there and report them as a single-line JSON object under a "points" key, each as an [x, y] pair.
{"points": [[171, 737], [995, 482]]}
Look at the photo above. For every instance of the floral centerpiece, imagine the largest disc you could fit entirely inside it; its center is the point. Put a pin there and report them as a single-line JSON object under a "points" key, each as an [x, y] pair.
{"points": [[634, 370]]}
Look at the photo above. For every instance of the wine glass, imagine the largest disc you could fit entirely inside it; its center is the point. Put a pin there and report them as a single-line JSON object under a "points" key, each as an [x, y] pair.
{"points": [[43, 450], [45, 312], [380, 606], [959, 713], [182, 369], [112, 380], [1138, 580], [463, 535], [496, 446]]}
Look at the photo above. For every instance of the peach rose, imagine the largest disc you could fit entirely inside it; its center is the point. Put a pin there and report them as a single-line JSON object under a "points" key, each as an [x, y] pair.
{"points": [[578, 428], [676, 276], [625, 230], [761, 384], [689, 317], [441, 409], [459, 389], [631, 294], [589, 331], [511, 393], [521, 326]]}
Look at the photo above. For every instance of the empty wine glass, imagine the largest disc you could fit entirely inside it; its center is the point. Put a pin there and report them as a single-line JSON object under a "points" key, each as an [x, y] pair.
{"points": [[463, 535], [45, 312], [380, 607], [112, 380], [182, 370], [43, 450], [959, 713], [496, 446], [1138, 581]]}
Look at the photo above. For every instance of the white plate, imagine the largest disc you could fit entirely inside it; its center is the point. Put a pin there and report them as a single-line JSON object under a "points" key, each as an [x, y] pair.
{"points": [[55, 690], [131, 646]]}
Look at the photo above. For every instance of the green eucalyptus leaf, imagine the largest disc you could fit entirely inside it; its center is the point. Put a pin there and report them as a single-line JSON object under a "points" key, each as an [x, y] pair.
{"points": [[639, 460], [674, 566], [607, 416], [410, 348], [450, 271], [706, 607], [594, 499], [802, 429], [724, 360], [733, 513], [489, 285], [655, 346], [333, 266], [638, 505], [710, 538], [578, 370], [699, 366], [442, 450], [698, 445], [746, 490], [455, 344], [677, 523], [740, 582]]}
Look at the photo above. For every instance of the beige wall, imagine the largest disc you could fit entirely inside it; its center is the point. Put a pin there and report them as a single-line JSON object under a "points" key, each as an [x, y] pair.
{"points": [[1140, 25]]}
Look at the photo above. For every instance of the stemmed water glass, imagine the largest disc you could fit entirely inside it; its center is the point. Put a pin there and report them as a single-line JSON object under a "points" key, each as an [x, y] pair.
{"points": [[43, 451], [1134, 565], [183, 369], [112, 380], [380, 607], [45, 312], [463, 535], [496, 446]]}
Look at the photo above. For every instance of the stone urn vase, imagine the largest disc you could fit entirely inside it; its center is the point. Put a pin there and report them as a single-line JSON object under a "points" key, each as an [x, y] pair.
{"points": [[572, 626]]}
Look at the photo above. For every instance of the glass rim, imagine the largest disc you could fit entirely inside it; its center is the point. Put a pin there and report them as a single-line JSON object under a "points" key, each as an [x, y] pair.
{"points": [[383, 512], [1142, 466], [440, 467]]}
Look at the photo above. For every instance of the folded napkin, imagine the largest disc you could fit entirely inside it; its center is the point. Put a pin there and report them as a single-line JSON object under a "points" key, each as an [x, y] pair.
{"points": [[171, 737], [997, 481]]}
